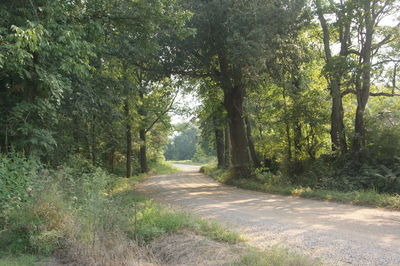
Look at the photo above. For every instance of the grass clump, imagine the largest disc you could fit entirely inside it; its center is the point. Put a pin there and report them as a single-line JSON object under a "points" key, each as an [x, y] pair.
{"points": [[215, 231], [149, 220], [274, 184], [273, 257], [155, 221]]}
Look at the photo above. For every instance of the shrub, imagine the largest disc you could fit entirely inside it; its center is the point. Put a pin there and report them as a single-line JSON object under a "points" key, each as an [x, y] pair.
{"points": [[17, 176]]}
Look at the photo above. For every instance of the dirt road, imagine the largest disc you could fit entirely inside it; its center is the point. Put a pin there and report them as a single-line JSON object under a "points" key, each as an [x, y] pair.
{"points": [[338, 234]]}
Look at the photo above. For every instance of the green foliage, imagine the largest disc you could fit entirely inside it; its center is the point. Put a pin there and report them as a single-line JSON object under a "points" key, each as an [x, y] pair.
{"points": [[41, 222], [17, 177], [200, 156], [183, 145]]}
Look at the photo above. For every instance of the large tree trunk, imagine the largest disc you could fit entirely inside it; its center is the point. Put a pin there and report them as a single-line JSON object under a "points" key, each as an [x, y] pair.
{"points": [[128, 141], [233, 87], [253, 154], [143, 152], [233, 101]]}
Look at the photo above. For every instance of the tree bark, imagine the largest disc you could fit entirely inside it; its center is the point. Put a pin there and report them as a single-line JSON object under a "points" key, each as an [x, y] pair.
{"points": [[227, 145], [112, 159], [240, 160], [219, 143], [297, 138], [128, 141], [252, 150], [231, 82], [338, 135], [143, 151], [287, 126]]}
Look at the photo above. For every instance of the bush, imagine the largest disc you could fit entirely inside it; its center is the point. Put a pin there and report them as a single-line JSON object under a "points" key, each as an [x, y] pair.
{"points": [[46, 204], [17, 175], [37, 225]]}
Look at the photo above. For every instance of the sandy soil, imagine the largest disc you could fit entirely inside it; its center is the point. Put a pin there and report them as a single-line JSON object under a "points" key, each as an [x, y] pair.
{"points": [[338, 234]]}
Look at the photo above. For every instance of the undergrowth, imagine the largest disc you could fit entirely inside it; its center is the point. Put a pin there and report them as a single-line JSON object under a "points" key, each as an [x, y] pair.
{"points": [[82, 214], [277, 184]]}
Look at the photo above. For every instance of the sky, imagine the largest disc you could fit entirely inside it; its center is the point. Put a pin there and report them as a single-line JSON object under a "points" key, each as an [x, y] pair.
{"points": [[187, 102]]}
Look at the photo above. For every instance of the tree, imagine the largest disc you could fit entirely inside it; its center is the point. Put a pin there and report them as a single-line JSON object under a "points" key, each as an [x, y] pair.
{"points": [[372, 39], [156, 99], [39, 59], [212, 118], [232, 41], [337, 66]]}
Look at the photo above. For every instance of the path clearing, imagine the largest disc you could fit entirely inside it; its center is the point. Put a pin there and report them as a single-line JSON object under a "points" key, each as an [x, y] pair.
{"points": [[338, 234]]}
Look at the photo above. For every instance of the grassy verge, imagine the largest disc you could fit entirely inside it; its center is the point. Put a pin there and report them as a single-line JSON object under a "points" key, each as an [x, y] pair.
{"points": [[274, 256], [151, 220], [86, 216], [366, 198]]}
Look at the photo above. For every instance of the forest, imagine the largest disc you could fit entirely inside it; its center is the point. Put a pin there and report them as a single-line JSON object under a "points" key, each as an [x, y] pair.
{"points": [[295, 93]]}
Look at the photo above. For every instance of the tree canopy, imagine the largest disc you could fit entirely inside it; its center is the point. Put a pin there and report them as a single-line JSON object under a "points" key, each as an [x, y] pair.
{"points": [[284, 86]]}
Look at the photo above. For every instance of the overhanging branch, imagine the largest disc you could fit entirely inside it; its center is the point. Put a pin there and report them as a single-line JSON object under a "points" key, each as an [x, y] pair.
{"points": [[161, 114]]}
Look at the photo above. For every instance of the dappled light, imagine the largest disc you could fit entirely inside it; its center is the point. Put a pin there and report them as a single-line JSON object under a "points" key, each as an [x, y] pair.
{"points": [[168, 132], [331, 231]]}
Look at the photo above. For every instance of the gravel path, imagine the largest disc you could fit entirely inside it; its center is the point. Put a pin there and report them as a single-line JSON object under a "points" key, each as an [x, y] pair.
{"points": [[338, 234]]}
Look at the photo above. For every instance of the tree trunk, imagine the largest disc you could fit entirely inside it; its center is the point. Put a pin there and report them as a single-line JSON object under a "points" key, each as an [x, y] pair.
{"points": [[338, 135], [233, 101], [143, 152], [112, 159], [253, 154], [220, 145], [93, 142], [364, 85], [128, 141], [227, 145], [287, 127], [289, 142]]}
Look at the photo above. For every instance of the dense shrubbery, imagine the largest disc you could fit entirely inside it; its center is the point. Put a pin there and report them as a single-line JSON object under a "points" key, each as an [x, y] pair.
{"points": [[346, 174], [42, 211]]}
